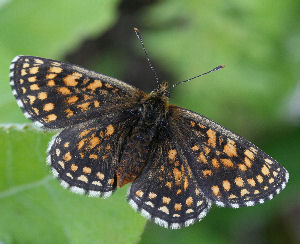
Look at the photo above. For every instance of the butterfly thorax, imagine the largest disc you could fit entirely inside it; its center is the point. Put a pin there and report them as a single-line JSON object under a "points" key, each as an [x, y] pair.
{"points": [[151, 117]]}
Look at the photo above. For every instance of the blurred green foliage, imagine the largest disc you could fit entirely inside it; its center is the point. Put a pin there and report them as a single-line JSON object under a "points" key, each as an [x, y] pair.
{"points": [[256, 40], [36, 209]]}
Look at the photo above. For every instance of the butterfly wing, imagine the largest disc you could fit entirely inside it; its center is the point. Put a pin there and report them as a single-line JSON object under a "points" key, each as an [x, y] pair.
{"points": [[84, 157], [229, 170], [55, 94], [166, 192]]}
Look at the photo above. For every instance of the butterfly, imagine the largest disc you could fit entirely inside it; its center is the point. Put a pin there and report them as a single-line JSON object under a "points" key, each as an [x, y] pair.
{"points": [[179, 163]]}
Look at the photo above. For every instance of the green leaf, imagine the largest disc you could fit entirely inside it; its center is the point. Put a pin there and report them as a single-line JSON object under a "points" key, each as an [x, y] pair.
{"points": [[34, 208], [48, 29]]}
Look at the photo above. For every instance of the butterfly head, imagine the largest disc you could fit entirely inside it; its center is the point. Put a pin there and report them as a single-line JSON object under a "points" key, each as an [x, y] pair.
{"points": [[155, 105]]}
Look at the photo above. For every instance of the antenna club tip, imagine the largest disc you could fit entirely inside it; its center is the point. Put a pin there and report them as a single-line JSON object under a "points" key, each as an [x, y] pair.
{"points": [[222, 66], [135, 29]]}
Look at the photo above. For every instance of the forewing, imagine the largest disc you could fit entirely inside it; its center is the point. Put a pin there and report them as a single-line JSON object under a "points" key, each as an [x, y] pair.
{"points": [[166, 191], [54, 94], [84, 157], [229, 170]]}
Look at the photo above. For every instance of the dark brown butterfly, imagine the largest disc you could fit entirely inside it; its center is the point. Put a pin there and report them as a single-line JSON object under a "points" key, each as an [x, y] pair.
{"points": [[179, 162]]}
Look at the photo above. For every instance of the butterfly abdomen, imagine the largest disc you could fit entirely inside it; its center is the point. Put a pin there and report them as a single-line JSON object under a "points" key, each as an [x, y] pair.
{"points": [[136, 148]]}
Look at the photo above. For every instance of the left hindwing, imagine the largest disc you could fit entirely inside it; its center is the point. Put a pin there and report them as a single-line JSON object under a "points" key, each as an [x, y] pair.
{"points": [[229, 170], [55, 94]]}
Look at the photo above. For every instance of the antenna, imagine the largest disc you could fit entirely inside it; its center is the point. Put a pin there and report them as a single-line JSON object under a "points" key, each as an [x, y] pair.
{"points": [[138, 34], [212, 70]]}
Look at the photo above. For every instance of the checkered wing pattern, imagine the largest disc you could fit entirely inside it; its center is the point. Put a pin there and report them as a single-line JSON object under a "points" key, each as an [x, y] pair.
{"points": [[166, 191], [84, 157], [55, 94], [230, 171]]}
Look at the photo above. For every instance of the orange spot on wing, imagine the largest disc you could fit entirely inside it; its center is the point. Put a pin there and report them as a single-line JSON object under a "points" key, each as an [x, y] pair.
{"points": [[93, 156], [31, 99], [50, 118], [216, 191], [201, 126], [185, 183], [248, 162], [227, 162], [86, 170], [265, 170], [64, 90], [94, 142], [139, 193], [232, 196], [195, 148], [54, 69], [37, 112], [55, 63], [51, 83], [84, 133], [38, 61], [239, 181], [172, 154], [251, 181], [259, 178], [242, 167], [34, 87], [108, 85], [177, 206], [50, 76], [166, 200], [34, 70], [211, 138], [69, 112], [70, 80], [249, 154], [230, 148], [244, 192], [207, 173], [177, 175], [23, 72], [109, 130], [67, 156], [48, 107], [100, 176], [152, 195], [94, 85], [72, 99], [83, 178], [42, 95], [169, 184], [215, 163], [189, 201], [226, 185], [206, 150], [202, 158], [84, 106], [74, 167]]}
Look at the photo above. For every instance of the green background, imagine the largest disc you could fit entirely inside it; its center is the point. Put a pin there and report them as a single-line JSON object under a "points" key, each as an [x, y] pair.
{"points": [[257, 95]]}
